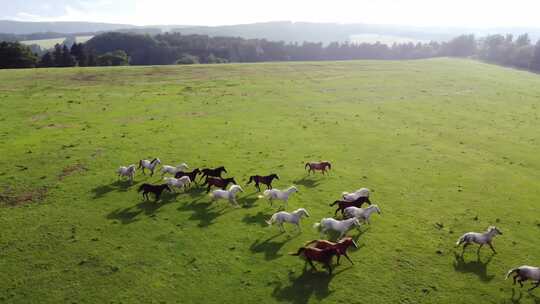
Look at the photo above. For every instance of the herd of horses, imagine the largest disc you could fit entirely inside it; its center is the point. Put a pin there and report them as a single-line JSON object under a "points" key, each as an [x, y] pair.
{"points": [[322, 251]]}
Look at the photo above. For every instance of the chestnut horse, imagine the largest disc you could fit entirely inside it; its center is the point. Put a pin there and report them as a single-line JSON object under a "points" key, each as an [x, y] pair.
{"points": [[216, 172], [342, 205], [266, 180], [218, 182], [320, 166], [156, 189], [323, 256], [192, 175], [341, 246]]}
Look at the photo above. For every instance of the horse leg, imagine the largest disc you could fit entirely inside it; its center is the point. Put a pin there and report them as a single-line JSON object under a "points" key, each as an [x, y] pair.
{"points": [[329, 268], [464, 246], [208, 188], [337, 259], [535, 285], [491, 246], [281, 228], [514, 278], [152, 172], [347, 256], [257, 186], [520, 281], [337, 210], [479, 247], [311, 263]]}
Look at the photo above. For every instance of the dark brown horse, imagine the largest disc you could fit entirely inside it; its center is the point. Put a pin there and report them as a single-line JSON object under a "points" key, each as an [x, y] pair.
{"points": [[266, 180], [218, 182], [323, 256], [342, 205], [341, 246], [192, 175], [216, 172], [320, 166], [156, 189]]}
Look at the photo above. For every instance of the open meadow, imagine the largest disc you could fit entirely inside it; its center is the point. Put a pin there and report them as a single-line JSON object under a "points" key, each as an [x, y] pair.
{"points": [[447, 146]]}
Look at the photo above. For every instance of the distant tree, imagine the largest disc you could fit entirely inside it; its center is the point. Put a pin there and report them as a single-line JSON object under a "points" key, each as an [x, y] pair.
{"points": [[116, 58], [16, 55], [535, 62], [92, 60], [461, 46], [523, 40], [78, 50], [67, 60], [187, 59], [47, 60], [57, 55]]}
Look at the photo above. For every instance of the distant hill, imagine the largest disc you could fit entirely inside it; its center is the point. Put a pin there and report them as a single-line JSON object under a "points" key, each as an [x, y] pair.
{"points": [[20, 28]]}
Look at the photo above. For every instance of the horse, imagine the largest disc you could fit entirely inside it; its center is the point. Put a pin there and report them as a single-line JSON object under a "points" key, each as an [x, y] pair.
{"points": [[320, 166], [342, 227], [479, 238], [156, 189], [349, 197], [342, 205], [272, 194], [150, 165], [181, 182], [361, 214], [173, 170], [341, 246], [218, 182], [227, 194], [293, 218], [524, 273], [128, 171], [323, 256], [192, 175], [266, 180], [213, 172]]}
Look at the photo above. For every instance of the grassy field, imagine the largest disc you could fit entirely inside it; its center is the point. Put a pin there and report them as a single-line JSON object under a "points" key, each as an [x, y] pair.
{"points": [[447, 146], [45, 43]]}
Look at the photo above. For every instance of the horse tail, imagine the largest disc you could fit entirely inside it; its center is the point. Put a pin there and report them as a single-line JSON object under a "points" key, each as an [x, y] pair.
{"points": [[460, 240], [299, 252], [250, 179], [332, 204], [141, 187], [306, 166], [140, 164], [309, 243], [511, 271], [272, 219], [266, 194]]}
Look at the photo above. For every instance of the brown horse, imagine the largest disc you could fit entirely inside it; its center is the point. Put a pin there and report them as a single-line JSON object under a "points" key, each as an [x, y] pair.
{"points": [[218, 182], [341, 246], [192, 175], [342, 205], [266, 180], [323, 256], [320, 166], [156, 189], [216, 172]]}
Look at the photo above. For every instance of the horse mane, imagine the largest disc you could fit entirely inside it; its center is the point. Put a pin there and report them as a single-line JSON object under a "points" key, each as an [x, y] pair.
{"points": [[153, 160], [307, 165]]}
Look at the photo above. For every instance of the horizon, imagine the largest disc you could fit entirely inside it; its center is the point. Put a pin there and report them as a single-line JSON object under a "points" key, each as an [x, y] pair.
{"points": [[417, 13]]}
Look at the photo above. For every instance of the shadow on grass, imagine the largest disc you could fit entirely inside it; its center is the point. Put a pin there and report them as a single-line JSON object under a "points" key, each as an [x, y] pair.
{"points": [[119, 185], [269, 247], [477, 267], [530, 296], [248, 202], [307, 181], [202, 212], [308, 284], [259, 218], [125, 216]]}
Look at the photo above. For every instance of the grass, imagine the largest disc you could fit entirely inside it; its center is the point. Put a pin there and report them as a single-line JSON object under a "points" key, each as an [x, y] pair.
{"points": [[45, 43], [447, 146]]}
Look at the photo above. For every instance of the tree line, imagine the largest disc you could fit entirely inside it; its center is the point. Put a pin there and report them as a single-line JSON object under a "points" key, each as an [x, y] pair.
{"points": [[117, 48]]}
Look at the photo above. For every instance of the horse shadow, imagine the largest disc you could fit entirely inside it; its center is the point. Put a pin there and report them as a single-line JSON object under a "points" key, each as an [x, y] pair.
{"points": [[477, 266], [269, 247], [305, 286], [307, 182], [248, 202], [125, 215], [259, 218], [150, 207], [119, 185], [202, 213]]}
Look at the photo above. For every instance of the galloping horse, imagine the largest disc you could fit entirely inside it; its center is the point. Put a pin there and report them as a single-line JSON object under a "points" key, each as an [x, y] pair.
{"points": [[320, 166], [266, 180], [216, 172], [156, 189], [218, 182], [323, 256], [342, 205], [341, 246], [192, 175]]}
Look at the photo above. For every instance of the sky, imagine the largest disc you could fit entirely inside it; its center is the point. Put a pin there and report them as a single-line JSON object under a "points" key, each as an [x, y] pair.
{"points": [[441, 13]]}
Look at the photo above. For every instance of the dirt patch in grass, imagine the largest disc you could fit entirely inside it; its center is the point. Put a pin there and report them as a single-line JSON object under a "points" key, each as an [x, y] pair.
{"points": [[72, 169], [12, 198], [85, 78]]}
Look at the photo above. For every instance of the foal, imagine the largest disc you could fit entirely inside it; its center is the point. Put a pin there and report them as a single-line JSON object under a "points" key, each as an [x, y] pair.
{"points": [[213, 172], [127, 171], [150, 165], [323, 256], [320, 166], [479, 238], [218, 182], [266, 180], [341, 246], [156, 189], [342, 205]]}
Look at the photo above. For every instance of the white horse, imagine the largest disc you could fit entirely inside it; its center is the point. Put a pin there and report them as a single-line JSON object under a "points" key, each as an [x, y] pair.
{"points": [[149, 164], [178, 183], [272, 194], [479, 238], [293, 218], [227, 194], [361, 214], [173, 170], [342, 227], [524, 273], [128, 171], [351, 197]]}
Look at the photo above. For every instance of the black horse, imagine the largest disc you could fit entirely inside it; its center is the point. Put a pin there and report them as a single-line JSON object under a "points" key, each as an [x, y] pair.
{"points": [[156, 189], [267, 180], [342, 205], [216, 172], [218, 182], [192, 175]]}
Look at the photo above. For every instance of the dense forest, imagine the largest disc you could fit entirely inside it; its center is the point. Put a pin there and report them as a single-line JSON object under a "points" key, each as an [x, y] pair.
{"points": [[118, 48]]}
